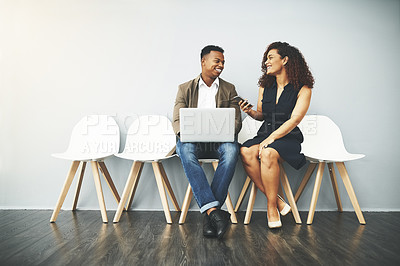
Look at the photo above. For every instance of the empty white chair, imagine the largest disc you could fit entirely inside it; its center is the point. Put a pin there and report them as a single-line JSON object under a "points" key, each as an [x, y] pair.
{"points": [[323, 144], [150, 139], [250, 127], [94, 138]]}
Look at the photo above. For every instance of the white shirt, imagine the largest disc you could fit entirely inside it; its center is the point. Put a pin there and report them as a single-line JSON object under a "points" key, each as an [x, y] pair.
{"points": [[207, 94]]}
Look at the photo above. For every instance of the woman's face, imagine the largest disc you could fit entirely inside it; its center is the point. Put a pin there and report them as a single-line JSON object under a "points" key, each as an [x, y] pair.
{"points": [[274, 62]]}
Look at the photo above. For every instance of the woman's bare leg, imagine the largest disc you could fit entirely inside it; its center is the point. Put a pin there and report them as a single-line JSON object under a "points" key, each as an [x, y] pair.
{"points": [[251, 165], [270, 178]]}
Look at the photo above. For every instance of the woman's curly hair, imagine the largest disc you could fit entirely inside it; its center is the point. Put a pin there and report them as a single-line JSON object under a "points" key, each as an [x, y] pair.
{"points": [[297, 69]]}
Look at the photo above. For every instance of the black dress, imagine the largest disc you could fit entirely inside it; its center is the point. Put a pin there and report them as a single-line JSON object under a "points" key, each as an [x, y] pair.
{"points": [[275, 115]]}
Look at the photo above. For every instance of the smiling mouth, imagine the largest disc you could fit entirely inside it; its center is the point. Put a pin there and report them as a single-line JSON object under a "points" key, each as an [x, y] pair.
{"points": [[218, 70]]}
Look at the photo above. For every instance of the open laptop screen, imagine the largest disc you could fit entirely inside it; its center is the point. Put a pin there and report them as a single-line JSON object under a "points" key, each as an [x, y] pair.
{"points": [[207, 124]]}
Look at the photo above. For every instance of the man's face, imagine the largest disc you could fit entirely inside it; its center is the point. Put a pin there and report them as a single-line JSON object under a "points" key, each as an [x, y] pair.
{"points": [[212, 64]]}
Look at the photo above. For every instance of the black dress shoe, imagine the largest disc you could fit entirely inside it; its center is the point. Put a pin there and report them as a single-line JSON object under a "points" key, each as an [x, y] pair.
{"points": [[208, 229], [220, 220]]}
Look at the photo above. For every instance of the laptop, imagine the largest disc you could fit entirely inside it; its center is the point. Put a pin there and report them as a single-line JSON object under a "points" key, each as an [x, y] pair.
{"points": [[207, 124]]}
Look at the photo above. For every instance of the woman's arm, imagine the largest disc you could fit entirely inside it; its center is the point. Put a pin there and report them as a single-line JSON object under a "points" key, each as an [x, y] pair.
{"points": [[299, 111], [257, 115]]}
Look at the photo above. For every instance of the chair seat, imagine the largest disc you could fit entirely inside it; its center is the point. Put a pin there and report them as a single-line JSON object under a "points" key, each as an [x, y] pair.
{"points": [[208, 160], [313, 157], [144, 157], [81, 156]]}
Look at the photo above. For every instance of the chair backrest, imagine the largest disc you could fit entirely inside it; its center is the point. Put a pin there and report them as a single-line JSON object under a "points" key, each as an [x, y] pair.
{"points": [[94, 136], [323, 139], [249, 129], [150, 137]]}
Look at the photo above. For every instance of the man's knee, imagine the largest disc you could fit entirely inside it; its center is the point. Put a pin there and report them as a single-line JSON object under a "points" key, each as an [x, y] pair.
{"points": [[186, 150], [229, 153], [229, 150]]}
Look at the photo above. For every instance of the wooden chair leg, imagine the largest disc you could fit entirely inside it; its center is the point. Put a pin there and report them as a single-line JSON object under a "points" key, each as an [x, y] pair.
{"points": [[332, 174], [346, 181], [185, 204], [161, 190], [109, 181], [100, 196], [135, 184], [242, 193], [64, 191], [315, 194], [250, 204], [280, 191], [307, 175], [78, 186], [289, 194], [215, 165], [229, 206], [188, 199], [133, 175], [169, 188]]}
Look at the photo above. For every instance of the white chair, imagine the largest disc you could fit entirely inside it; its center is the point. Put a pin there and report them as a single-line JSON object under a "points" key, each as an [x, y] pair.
{"points": [[150, 139], [189, 195], [323, 144], [94, 138], [250, 127]]}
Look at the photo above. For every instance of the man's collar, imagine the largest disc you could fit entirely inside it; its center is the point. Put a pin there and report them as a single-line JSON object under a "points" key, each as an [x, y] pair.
{"points": [[216, 81]]}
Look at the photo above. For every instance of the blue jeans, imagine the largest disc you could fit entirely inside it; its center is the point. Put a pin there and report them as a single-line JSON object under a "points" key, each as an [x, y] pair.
{"points": [[227, 152]]}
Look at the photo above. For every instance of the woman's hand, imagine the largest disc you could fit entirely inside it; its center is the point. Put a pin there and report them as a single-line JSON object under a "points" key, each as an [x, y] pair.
{"points": [[264, 144], [245, 106]]}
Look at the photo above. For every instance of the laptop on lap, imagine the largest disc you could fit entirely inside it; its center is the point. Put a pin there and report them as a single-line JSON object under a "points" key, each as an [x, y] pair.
{"points": [[207, 124]]}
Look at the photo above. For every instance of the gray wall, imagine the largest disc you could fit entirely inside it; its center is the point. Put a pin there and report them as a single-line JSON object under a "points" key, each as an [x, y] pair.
{"points": [[61, 60]]}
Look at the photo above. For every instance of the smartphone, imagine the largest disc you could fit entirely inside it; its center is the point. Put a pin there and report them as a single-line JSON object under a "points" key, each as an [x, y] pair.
{"points": [[238, 99]]}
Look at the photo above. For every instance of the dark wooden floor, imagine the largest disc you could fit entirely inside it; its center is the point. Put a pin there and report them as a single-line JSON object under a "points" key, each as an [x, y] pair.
{"points": [[143, 238]]}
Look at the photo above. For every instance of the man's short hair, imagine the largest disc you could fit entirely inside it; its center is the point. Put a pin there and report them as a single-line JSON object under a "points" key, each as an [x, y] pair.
{"points": [[206, 50]]}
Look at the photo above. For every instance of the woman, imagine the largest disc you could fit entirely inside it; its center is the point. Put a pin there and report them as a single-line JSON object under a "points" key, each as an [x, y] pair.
{"points": [[283, 99]]}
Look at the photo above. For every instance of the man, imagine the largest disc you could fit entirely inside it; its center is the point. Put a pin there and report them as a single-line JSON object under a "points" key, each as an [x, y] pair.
{"points": [[209, 91]]}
